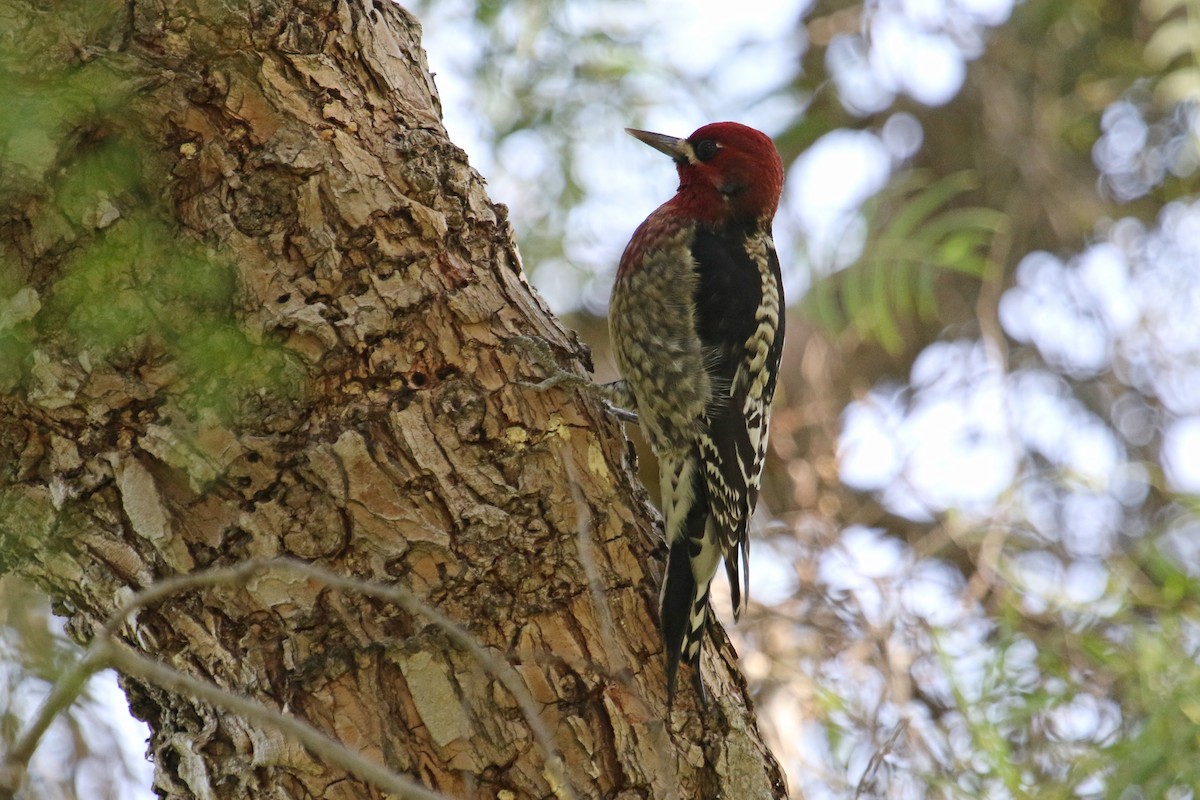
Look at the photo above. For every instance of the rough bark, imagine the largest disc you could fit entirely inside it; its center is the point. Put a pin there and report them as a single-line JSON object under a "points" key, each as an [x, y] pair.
{"points": [[302, 144]]}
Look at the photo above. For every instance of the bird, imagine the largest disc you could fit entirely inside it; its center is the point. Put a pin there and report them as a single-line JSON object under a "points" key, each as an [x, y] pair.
{"points": [[696, 320]]}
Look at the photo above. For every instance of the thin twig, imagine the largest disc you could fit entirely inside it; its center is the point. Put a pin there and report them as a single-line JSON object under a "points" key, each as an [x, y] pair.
{"points": [[868, 776], [331, 751], [165, 587], [16, 761], [608, 629], [583, 528], [64, 692], [503, 671]]}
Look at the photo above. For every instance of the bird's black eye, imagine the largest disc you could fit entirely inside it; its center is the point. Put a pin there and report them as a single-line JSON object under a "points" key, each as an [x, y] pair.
{"points": [[705, 149]]}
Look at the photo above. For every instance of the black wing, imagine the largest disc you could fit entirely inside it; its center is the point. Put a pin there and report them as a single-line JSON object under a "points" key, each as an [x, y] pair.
{"points": [[743, 338]]}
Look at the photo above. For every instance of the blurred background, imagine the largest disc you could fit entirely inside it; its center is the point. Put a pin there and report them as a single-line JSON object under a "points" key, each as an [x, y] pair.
{"points": [[975, 569], [975, 563]]}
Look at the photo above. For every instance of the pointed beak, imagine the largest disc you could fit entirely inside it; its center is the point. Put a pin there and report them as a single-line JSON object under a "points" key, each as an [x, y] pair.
{"points": [[678, 149]]}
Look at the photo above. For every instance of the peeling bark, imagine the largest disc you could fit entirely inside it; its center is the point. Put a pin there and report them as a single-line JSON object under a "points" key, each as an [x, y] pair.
{"points": [[301, 143]]}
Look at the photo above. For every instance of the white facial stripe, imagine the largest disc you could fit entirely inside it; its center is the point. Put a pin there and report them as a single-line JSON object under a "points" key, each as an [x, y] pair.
{"points": [[691, 151]]}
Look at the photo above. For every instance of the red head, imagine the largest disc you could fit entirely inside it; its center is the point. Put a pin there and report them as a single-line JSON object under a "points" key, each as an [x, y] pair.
{"points": [[727, 172]]}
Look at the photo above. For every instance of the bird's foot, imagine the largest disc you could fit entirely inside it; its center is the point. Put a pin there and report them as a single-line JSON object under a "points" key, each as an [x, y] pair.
{"points": [[537, 350], [623, 414], [615, 395]]}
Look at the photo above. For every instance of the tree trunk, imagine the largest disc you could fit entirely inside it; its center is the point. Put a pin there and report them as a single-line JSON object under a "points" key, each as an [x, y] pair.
{"points": [[351, 404]]}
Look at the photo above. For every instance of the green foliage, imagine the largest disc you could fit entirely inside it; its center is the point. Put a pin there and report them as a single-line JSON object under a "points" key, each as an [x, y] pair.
{"points": [[1023, 729], [16, 336], [116, 280], [140, 292], [1161, 682], [916, 233], [51, 102], [1146, 657]]}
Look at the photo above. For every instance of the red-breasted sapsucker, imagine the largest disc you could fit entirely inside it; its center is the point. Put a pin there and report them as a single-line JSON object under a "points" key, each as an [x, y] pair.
{"points": [[697, 328], [696, 318]]}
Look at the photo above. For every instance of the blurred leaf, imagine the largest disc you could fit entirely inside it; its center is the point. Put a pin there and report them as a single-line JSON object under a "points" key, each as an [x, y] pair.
{"points": [[914, 237], [1172, 40], [1161, 753], [1180, 86], [1157, 9]]}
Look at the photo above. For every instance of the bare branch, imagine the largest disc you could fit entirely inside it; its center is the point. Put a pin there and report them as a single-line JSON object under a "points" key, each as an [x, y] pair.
{"points": [[503, 671], [65, 691], [147, 669], [15, 763]]}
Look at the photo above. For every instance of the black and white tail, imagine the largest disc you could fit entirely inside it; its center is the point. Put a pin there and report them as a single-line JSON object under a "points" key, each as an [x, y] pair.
{"points": [[692, 561]]}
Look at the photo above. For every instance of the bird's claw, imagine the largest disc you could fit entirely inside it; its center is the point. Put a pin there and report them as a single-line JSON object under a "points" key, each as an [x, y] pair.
{"points": [[533, 347], [560, 378], [537, 350], [623, 414]]}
